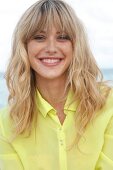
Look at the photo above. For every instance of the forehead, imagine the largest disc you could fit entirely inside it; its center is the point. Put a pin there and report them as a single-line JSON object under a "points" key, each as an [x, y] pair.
{"points": [[52, 30]]}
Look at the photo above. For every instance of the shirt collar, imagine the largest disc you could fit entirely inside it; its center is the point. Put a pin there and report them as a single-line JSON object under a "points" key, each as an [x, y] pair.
{"points": [[44, 107]]}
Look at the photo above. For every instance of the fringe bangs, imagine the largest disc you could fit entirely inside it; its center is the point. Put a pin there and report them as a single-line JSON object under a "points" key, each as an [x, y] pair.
{"points": [[49, 14]]}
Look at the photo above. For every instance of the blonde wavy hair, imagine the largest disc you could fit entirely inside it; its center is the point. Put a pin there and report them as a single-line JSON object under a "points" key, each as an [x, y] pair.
{"points": [[84, 75]]}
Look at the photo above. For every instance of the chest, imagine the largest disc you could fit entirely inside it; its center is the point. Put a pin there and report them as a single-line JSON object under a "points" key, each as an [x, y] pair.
{"points": [[46, 147], [61, 117]]}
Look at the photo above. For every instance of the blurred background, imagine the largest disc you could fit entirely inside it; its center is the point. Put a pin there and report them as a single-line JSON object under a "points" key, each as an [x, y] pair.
{"points": [[96, 15]]}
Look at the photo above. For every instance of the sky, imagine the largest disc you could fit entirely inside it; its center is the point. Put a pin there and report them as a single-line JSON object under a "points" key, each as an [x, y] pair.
{"points": [[96, 15]]}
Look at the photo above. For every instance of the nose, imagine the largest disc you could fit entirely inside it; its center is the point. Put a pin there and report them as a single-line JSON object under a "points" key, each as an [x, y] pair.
{"points": [[51, 46]]}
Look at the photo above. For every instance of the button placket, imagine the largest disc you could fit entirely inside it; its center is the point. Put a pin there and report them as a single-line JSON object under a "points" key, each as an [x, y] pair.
{"points": [[62, 149], [61, 136]]}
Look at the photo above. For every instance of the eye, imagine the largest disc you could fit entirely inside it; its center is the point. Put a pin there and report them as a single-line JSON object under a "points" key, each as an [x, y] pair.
{"points": [[39, 38], [63, 37]]}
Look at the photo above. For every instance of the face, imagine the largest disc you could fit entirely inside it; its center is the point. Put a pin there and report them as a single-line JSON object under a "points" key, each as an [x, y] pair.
{"points": [[50, 54]]}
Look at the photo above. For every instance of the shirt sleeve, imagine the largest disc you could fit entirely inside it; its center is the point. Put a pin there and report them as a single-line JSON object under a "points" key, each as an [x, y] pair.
{"points": [[105, 161], [9, 159]]}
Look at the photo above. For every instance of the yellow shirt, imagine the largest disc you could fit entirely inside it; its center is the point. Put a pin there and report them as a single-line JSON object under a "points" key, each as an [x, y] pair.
{"points": [[45, 148]]}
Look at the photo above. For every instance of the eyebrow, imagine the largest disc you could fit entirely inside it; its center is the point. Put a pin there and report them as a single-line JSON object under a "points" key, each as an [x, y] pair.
{"points": [[44, 32]]}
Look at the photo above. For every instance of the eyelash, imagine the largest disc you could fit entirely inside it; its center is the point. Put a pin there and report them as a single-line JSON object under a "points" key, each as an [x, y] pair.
{"points": [[39, 37], [60, 37], [64, 37]]}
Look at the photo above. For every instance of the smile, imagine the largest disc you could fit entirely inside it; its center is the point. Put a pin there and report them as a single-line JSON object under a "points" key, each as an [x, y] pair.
{"points": [[50, 61]]}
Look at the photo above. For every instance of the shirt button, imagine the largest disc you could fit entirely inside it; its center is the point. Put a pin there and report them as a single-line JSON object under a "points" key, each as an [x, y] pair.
{"points": [[61, 142]]}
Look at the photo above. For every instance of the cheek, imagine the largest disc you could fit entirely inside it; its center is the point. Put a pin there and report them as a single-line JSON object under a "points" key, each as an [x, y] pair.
{"points": [[31, 53], [30, 49], [67, 48], [33, 48], [70, 50], [69, 54]]}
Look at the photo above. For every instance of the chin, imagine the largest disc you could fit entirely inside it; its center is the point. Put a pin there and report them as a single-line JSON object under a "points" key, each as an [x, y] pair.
{"points": [[52, 76]]}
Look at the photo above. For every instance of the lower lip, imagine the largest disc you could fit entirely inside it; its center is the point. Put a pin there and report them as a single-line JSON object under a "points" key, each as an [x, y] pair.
{"points": [[51, 64]]}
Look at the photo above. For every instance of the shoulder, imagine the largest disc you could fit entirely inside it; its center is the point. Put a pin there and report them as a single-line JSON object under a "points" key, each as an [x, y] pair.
{"points": [[107, 109], [5, 121], [4, 114], [109, 129], [107, 149], [104, 116], [109, 101]]}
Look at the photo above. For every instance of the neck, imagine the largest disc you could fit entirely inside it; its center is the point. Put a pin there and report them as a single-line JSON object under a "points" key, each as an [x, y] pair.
{"points": [[52, 91]]}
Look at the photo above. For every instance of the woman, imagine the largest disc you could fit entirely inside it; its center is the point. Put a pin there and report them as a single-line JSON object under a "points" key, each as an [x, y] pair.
{"points": [[60, 113]]}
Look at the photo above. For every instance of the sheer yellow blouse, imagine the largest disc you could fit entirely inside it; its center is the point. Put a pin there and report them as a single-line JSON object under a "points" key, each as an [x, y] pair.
{"points": [[46, 147]]}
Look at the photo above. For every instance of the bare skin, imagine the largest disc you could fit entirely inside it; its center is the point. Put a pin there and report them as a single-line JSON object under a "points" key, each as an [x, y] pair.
{"points": [[53, 88], [50, 55]]}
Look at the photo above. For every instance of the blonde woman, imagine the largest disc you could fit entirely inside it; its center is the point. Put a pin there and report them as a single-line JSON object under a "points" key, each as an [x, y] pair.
{"points": [[60, 113]]}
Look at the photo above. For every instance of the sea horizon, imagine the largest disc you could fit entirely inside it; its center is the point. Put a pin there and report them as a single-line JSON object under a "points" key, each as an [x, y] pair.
{"points": [[107, 74]]}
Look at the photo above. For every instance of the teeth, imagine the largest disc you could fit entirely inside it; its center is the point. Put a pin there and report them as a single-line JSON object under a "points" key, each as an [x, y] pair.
{"points": [[50, 60]]}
